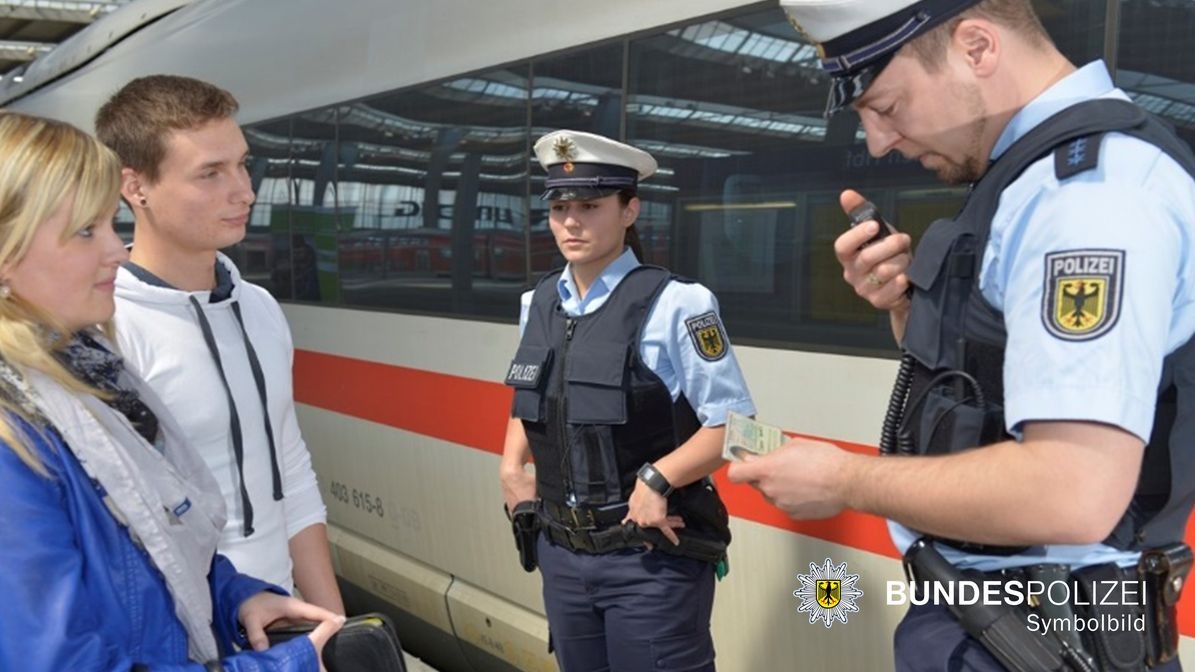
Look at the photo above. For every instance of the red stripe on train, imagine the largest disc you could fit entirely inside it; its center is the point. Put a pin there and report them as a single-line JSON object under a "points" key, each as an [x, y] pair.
{"points": [[474, 413]]}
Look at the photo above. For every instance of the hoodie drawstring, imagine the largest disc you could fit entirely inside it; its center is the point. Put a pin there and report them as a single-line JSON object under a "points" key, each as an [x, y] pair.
{"points": [[260, 379], [238, 447]]}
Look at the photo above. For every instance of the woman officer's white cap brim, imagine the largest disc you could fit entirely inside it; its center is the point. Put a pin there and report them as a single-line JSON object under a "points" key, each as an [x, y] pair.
{"points": [[856, 39], [584, 166]]}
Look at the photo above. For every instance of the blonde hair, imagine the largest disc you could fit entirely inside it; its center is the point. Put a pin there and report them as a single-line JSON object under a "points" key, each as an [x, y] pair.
{"points": [[43, 164]]}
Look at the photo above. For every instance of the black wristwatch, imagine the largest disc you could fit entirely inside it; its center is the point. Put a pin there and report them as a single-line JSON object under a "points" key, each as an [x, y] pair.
{"points": [[654, 479]]}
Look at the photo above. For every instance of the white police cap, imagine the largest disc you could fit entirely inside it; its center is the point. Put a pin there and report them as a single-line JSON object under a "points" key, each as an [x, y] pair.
{"points": [[584, 166], [857, 38]]}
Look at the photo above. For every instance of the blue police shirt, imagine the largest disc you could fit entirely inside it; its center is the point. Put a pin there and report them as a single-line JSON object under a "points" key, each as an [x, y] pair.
{"points": [[1135, 215], [712, 388]]}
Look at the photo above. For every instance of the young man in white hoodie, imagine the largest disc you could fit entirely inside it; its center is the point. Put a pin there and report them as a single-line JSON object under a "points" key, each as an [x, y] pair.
{"points": [[216, 348]]}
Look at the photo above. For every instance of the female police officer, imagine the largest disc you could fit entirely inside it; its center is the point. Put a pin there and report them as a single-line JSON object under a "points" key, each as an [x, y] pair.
{"points": [[623, 380]]}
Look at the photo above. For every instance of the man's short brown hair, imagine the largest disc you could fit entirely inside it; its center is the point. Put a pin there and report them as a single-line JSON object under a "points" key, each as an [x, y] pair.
{"points": [[137, 119], [1016, 15]]}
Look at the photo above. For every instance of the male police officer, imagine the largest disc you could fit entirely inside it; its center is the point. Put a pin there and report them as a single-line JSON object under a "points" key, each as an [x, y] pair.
{"points": [[1062, 393]]}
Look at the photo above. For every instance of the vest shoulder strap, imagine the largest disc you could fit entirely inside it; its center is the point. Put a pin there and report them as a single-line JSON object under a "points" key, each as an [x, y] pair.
{"points": [[1074, 135], [545, 287], [543, 301], [642, 286]]}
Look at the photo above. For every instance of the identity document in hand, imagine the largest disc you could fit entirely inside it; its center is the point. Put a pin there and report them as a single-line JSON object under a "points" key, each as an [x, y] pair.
{"points": [[746, 435]]}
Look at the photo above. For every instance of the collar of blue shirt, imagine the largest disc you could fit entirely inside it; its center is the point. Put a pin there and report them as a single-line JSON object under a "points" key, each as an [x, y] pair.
{"points": [[1090, 81], [605, 283]]}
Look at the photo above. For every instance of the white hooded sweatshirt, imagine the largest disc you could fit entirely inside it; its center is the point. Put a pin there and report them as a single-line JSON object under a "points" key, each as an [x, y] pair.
{"points": [[162, 338]]}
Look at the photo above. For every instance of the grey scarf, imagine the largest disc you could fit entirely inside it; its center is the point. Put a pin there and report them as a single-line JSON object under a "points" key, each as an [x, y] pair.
{"points": [[164, 495]]}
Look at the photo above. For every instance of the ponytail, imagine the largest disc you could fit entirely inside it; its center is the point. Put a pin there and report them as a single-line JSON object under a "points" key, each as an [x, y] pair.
{"points": [[631, 239]]}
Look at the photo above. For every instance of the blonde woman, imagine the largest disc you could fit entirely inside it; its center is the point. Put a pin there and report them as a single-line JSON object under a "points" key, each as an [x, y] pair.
{"points": [[108, 522]]}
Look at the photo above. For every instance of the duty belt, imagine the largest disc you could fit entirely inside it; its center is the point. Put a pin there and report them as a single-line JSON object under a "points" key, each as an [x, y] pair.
{"points": [[584, 517], [586, 529], [589, 530], [1004, 631]]}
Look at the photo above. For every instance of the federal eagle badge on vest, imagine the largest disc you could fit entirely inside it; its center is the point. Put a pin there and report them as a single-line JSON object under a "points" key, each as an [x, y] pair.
{"points": [[709, 338], [1081, 298]]}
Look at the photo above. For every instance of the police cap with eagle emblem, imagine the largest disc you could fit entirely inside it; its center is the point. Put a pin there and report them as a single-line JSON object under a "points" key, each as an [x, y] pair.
{"points": [[856, 39], [584, 166]]}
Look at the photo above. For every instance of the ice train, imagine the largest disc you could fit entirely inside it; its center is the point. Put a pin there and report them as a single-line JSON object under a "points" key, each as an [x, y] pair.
{"points": [[398, 220]]}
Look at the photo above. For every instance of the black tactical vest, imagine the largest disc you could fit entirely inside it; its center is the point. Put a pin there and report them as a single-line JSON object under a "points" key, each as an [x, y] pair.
{"points": [[592, 409], [950, 386]]}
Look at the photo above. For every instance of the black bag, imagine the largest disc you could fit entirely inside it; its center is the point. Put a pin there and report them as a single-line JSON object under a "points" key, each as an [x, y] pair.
{"points": [[365, 643]]}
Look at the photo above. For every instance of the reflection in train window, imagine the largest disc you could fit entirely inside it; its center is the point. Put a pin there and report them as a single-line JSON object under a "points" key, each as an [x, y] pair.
{"points": [[433, 196], [312, 244], [1154, 65], [1076, 26], [260, 256]]}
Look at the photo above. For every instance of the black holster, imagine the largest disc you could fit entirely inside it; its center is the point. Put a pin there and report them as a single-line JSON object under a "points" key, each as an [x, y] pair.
{"points": [[1120, 650], [704, 513], [706, 533], [690, 546], [1165, 572], [524, 523]]}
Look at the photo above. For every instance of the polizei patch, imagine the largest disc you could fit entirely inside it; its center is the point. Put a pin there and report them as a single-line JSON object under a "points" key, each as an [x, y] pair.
{"points": [[1081, 297], [523, 375], [709, 338]]}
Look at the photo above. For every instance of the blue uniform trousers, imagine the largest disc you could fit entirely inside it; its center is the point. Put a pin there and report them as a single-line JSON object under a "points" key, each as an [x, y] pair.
{"points": [[632, 610], [929, 639]]}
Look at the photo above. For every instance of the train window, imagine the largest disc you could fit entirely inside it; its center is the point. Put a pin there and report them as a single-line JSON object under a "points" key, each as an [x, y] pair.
{"points": [[426, 199], [582, 91], [432, 196], [1153, 63], [1076, 26], [732, 108]]}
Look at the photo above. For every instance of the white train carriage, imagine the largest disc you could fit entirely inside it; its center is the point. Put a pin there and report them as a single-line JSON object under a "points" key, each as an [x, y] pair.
{"points": [[397, 220]]}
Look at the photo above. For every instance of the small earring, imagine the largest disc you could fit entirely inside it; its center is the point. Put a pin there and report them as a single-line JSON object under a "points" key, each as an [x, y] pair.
{"points": [[5, 291], [143, 201]]}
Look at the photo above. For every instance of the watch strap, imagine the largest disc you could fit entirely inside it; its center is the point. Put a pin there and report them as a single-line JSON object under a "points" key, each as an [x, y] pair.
{"points": [[654, 479]]}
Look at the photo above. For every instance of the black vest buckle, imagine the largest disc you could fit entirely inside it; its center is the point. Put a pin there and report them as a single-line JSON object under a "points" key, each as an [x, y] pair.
{"points": [[583, 520], [578, 518]]}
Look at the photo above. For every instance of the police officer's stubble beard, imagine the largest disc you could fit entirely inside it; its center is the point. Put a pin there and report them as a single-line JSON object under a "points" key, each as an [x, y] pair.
{"points": [[973, 164], [954, 150]]}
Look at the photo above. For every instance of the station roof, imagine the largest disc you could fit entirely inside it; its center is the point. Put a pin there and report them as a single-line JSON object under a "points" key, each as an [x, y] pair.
{"points": [[30, 29]]}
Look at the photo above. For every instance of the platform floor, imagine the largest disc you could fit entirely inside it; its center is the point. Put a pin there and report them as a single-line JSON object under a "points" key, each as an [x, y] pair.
{"points": [[416, 665]]}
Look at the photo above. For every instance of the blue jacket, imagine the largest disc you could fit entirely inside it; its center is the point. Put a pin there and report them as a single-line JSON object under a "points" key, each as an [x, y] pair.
{"points": [[77, 594]]}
